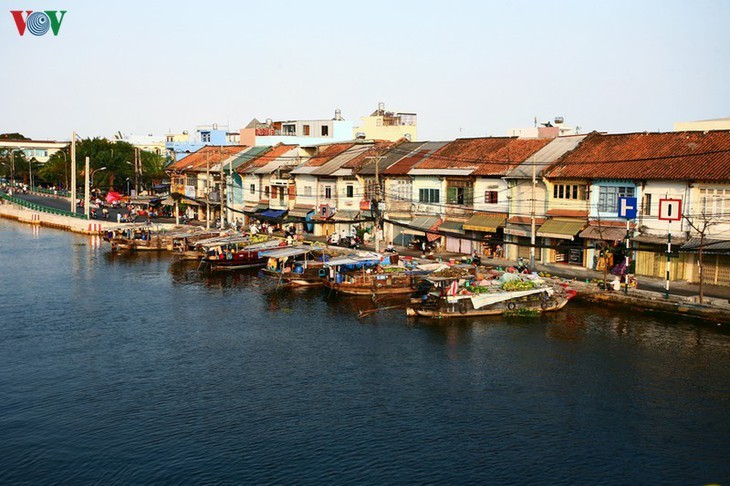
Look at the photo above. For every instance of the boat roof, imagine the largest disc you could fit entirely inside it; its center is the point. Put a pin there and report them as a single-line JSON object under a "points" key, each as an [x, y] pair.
{"points": [[286, 251]]}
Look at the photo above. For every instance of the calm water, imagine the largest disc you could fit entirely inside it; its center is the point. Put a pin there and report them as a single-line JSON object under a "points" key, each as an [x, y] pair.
{"points": [[133, 369]]}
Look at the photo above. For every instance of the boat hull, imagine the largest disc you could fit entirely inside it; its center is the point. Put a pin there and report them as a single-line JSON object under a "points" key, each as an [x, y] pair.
{"points": [[462, 309]]}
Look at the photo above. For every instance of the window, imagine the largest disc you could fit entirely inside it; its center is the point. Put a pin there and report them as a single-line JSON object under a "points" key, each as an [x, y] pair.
{"points": [[290, 130], [307, 190], [205, 137], [608, 197], [713, 202], [429, 196], [252, 188], [305, 130], [282, 193], [266, 191], [490, 197], [349, 191], [328, 192], [274, 192], [647, 205], [190, 180], [401, 189], [569, 191], [325, 131]]}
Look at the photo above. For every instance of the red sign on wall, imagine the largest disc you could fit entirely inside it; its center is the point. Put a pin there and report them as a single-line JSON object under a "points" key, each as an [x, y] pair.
{"points": [[670, 209]]}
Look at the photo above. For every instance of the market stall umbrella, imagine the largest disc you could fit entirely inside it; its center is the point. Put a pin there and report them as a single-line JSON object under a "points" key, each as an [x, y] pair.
{"points": [[112, 197]]}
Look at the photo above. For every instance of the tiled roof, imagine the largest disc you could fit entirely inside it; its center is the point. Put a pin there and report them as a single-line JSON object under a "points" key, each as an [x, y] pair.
{"points": [[389, 158], [670, 156], [414, 158], [264, 158], [488, 156], [328, 153], [202, 159]]}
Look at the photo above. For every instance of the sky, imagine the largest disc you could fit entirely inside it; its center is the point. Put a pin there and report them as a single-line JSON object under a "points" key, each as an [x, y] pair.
{"points": [[467, 68]]}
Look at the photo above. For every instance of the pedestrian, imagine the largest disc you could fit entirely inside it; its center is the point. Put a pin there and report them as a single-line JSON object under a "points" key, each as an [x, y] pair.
{"points": [[498, 251], [105, 212], [119, 217], [423, 248]]}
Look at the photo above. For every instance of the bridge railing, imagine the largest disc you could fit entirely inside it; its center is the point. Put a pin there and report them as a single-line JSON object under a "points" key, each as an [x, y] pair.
{"points": [[41, 208]]}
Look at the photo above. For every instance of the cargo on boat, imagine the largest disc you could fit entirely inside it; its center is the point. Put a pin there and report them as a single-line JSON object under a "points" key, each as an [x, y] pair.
{"points": [[367, 273], [481, 292], [144, 237]]}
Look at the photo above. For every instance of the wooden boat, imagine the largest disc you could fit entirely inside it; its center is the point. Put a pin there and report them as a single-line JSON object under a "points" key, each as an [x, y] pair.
{"points": [[296, 266], [370, 274], [184, 246], [457, 296], [138, 237], [237, 252]]}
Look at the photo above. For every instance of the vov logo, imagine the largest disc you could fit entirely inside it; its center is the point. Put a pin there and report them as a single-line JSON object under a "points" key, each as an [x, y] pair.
{"points": [[38, 23]]}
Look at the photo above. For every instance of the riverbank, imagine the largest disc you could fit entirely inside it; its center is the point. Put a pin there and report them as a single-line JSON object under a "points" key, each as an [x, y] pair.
{"points": [[683, 301]]}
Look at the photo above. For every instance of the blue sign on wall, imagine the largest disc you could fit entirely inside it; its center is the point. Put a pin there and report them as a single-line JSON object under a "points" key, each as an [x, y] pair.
{"points": [[627, 207]]}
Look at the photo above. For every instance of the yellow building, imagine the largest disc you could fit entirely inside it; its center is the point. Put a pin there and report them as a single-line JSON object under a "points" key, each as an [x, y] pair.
{"points": [[703, 125], [387, 125]]}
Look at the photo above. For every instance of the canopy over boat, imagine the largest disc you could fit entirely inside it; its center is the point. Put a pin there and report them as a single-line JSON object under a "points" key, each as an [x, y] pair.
{"points": [[286, 252]]}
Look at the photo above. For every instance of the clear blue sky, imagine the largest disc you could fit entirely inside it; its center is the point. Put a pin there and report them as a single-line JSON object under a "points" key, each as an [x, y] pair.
{"points": [[467, 68]]}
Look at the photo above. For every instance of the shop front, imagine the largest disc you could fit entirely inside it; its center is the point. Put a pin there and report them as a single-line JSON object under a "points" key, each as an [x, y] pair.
{"points": [[487, 231], [562, 237], [453, 232], [421, 229]]}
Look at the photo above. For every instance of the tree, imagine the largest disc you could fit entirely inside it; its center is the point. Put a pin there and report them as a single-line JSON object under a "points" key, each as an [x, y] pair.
{"points": [[701, 223]]}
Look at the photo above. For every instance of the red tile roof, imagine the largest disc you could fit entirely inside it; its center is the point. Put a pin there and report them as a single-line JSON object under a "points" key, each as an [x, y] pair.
{"points": [[489, 155], [670, 156], [379, 147], [265, 157], [328, 153], [205, 157]]}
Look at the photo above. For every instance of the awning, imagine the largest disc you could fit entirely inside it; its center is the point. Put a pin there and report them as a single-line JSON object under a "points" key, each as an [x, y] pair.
{"points": [[710, 245], [286, 252], [189, 202], [272, 214], [605, 233], [420, 225], [300, 212], [524, 230], [565, 229], [487, 223], [255, 208], [345, 215], [452, 227]]}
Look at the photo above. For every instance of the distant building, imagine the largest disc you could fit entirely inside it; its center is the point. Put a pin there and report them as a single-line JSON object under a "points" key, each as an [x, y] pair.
{"points": [[703, 125], [149, 143], [388, 125], [178, 145], [40, 150], [299, 132], [553, 129]]}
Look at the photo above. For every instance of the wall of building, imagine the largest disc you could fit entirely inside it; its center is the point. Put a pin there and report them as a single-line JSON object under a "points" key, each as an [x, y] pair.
{"points": [[484, 184], [429, 182]]}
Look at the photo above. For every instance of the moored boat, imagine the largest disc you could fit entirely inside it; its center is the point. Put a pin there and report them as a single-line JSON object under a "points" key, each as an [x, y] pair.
{"points": [[368, 273], [498, 293], [297, 266], [236, 252]]}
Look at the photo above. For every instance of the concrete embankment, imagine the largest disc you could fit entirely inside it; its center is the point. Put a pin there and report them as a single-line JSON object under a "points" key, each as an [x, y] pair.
{"points": [[29, 216], [713, 310]]}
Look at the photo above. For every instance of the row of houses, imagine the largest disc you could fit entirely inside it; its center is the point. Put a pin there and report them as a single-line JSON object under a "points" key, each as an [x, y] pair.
{"points": [[553, 199]]}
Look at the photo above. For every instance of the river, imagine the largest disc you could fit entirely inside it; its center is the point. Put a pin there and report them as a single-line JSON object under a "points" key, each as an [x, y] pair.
{"points": [[134, 369]]}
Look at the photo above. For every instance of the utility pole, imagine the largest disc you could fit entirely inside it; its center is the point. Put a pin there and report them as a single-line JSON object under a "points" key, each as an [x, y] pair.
{"points": [[207, 190], [86, 188], [73, 172], [137, 164], [532, 215], [378, 216]]}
